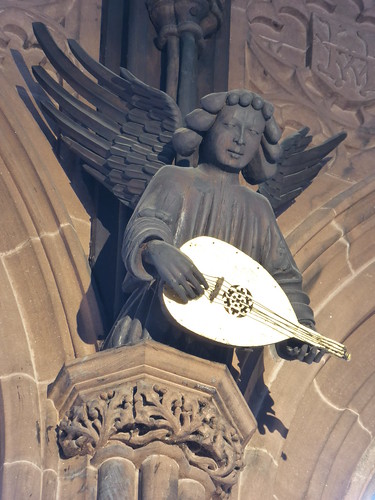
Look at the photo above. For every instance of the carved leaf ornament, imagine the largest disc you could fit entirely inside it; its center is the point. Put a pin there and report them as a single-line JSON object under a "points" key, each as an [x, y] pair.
{"points": [[138, 414]]}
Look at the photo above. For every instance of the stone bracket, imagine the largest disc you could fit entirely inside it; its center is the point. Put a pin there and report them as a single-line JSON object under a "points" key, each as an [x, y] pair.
{"points": [[150, 394]]}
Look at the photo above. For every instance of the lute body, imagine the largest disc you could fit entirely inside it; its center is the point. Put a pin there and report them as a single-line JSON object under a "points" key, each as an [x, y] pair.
{"points": [[244, 306]]}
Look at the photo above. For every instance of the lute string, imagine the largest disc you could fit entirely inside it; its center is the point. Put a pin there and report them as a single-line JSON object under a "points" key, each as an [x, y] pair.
{"points": [[287, 330], [273, 318], [268, 317]]}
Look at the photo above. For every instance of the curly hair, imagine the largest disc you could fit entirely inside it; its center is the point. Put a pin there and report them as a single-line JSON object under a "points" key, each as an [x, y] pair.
{"points": [[187, 140]]}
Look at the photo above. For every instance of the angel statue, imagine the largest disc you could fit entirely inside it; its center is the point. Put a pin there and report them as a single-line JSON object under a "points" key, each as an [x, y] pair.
{"points": [[128, 142]]}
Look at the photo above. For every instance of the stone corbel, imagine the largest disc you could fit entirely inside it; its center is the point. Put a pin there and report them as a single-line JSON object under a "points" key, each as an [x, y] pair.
{"points": [[134, 411]]}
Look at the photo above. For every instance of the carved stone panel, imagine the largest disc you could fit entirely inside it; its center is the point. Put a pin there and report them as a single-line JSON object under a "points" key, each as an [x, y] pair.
{"points": [[126, 402], [315, 62], [343, 57]]}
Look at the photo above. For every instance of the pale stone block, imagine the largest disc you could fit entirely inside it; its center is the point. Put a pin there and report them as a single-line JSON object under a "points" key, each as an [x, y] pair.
{"points": [[334, 465], [77, 480], [357, 292], [15, 223], [39, 302], [318, 246], [361, 241], [48, 434], [20, 480], [49, 485], [361, 208], [20, 420], [15, 355], [327, 273], [117, 478], [257, 477], [352, 385], [32, 193], [321, 191], [188, 489], [159, 478]]}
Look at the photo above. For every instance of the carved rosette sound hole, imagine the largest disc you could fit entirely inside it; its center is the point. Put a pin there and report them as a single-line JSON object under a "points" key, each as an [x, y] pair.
{"points": [[238, 301]]}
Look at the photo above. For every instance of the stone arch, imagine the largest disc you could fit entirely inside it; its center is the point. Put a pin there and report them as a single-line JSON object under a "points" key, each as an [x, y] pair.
{"points": [[45, 288], [337, 407], [327, 408]]}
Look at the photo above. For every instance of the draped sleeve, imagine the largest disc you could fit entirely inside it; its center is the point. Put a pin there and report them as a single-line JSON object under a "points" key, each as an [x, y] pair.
{"points": [[155, 218]]}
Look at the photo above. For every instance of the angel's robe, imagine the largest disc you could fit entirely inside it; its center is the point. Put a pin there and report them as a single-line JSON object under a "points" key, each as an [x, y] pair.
{"points": [[180, 204]]}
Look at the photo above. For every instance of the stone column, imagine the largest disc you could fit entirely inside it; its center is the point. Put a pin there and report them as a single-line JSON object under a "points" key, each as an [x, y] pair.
{"points": [[147, 418], [182, 25]]}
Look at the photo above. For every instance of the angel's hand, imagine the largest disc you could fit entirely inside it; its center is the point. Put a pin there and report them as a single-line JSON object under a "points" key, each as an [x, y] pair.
{"points": [[175, 269], [292, 349]]}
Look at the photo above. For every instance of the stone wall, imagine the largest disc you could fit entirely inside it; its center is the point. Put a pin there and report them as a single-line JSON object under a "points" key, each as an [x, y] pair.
{"points": [[315, 62], [48, 312]]}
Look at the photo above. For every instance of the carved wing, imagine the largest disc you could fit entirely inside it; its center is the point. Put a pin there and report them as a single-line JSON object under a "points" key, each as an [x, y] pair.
{"points": [[125, 136], [297, 168]]}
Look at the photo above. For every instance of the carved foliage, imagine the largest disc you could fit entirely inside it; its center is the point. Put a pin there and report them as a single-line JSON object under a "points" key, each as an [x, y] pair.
{"points": [[315, 61], [342, 54], [140, 413]]}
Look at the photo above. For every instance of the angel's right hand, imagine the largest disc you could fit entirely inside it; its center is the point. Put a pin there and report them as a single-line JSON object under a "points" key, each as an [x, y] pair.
{"points": [[175, 269]]}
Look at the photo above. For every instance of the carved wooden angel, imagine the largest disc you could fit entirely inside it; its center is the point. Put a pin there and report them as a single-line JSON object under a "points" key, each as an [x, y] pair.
{"points": [[128, 143]]}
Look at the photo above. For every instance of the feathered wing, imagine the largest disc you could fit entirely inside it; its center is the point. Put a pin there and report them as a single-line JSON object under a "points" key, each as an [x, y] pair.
{"points": [[297, 168], [125, 137]]}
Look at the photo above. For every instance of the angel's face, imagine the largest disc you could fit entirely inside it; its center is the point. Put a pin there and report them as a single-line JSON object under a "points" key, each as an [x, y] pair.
{"points": [[235, 137]]}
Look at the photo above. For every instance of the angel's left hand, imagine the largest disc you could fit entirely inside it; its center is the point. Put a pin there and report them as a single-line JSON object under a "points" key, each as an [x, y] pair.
{"points": [[292, 349]]}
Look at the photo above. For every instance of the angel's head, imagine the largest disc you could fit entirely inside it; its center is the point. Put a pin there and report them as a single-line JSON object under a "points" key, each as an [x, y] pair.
{"points": [[236, 131]]}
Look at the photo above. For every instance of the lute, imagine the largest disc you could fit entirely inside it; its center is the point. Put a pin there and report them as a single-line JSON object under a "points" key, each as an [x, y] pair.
{"points": [[243, 306]]}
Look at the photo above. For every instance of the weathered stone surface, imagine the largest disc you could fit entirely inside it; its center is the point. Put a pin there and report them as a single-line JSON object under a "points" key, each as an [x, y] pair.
{"points": [[81, 21], [349, 208], [160, 397], [258, 474], [189, 489], [49, 484], [328, 420], [20, 480], [340, 321], [274, 414], [159, 474], [319, 284], [322, 190], [117, 478], [360, 487], [49, 337], [77, 479], [44, 221], [336, 418], [43, 269], [326, 413], [354, 389], [328, 431], [16, 357], [325, 88], [237, 48], [49, 421], [20, 420], [154, 360], [361, 240], [138, 455]]}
